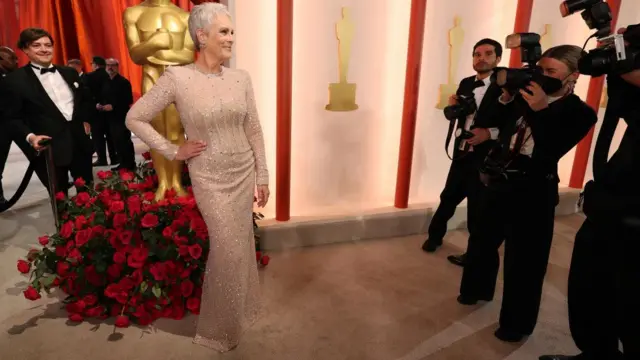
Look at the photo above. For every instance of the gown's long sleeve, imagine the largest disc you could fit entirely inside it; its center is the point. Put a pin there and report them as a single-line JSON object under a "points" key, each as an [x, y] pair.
{"points": [[147, 107], [253, 130]]}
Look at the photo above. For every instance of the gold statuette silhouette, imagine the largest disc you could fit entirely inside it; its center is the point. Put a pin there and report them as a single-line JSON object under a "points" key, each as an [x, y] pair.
{"points": [[157, 36], [342, 95], [546, 40], [604, 99], [456, 39]]}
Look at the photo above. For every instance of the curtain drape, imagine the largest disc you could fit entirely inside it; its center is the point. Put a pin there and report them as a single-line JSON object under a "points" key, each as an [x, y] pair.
{"points": [[81, 29]]}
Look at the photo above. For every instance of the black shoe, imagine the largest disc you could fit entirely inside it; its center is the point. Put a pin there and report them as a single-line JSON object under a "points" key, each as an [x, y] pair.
{"points": [[457, 259], [509, 336], [470, 300], [431, 245]]}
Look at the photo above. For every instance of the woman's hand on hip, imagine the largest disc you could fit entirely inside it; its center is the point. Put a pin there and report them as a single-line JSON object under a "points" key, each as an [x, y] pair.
{"points": [[190, 149], [263, 195]]}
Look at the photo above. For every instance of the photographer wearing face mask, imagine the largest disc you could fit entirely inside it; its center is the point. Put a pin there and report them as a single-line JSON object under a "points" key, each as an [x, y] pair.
{"points": [[546, 120], [473, 108], [605, 272]]}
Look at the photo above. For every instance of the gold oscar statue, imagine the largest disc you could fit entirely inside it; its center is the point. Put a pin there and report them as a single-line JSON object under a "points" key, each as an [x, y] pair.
{"points": [[604, 100], [157, 36], [342, 95], [456, 38], [546, 39]]}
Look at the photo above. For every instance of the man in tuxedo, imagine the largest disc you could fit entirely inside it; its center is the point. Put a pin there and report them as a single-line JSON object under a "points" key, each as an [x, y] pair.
{"points": [[96, 81], [463, 181], [41, 101], [8, 63], [117, 97]]}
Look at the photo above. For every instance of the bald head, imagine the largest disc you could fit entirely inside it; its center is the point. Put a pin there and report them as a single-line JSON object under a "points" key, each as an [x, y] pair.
{"points": [[8, 60]]}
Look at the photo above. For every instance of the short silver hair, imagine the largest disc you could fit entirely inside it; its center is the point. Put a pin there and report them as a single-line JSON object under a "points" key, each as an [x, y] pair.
{"points": [[114, 60], [202, 17]]}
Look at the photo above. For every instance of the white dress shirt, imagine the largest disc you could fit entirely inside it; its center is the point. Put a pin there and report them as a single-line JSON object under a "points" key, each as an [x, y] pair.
{"points": [[528, 144], [478, 95], [57, 89]]}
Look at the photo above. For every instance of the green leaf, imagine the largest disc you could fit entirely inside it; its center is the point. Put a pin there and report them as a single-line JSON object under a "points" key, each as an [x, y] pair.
{"points": [[156, 291], [47, 281], [143, 287]]}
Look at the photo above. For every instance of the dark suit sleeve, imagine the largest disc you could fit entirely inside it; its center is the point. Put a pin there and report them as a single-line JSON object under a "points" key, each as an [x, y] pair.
{"points": [[557, 129], [87, 103], [124, 97], [12, 110]]}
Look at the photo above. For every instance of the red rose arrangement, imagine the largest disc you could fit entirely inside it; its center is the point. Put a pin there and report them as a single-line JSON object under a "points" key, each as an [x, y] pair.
{"points": [[118, 253]]}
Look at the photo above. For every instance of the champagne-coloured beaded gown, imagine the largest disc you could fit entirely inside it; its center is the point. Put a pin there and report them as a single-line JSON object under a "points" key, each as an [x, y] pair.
{"points": [[220, 110]]}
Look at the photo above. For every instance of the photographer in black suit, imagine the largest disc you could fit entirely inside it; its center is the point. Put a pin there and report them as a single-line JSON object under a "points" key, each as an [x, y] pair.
{"points": [[521, 189], [41, 101], [117, 98], [481, 128], [97, 80], [605, 273]]}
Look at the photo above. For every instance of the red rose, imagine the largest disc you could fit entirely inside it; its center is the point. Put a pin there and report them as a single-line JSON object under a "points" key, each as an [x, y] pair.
{"points": [[61, 251], [93, 312], [167, 232], [138, 257], [75, 255], [137, 277], [178, 311], [113, 271], [258, 255], [98, 230], [60, 196], [76, 318], [134, 204], [119, 257], [186, 288], [43, 240], [79, 182], [195, 251], [76, 307], [193, 304], [117, 207], [90, 299], [62, 268], [149, 220], [145, 319], [31, 293], [82, 198], [158, 271], [119, 220], [104, 175], [265, 260], [24, 266], [149, 196], [81, 222], [83, 237], [122, 321], [66, 230], [183, 250], [146, 155], [126, 175], [112, 290]]}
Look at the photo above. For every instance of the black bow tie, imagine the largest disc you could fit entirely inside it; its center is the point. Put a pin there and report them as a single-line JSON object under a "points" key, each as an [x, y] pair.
{"points": [[478, 84], [44, 70]]}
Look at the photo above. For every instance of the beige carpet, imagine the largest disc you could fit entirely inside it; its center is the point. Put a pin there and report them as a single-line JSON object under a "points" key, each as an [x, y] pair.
{"points": [[380, 299]]}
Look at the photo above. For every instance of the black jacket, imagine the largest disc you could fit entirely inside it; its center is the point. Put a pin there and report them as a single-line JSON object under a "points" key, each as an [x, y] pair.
{"points": [[555, 130], [488, 114], [27, 108], [118, 93]]}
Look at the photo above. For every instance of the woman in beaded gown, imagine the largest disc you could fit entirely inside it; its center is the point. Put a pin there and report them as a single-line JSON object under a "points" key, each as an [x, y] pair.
{"points": [[226, 158]]}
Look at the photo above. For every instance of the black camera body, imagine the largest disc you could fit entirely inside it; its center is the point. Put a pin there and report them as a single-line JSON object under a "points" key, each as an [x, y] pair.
{"points": [[616, 54], [466, 106]]}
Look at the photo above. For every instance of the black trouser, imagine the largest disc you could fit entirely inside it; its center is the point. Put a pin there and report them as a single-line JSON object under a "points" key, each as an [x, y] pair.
{"points": [[122, 140], [604, 280], [102, 139], [520, 213], [462, 182]]}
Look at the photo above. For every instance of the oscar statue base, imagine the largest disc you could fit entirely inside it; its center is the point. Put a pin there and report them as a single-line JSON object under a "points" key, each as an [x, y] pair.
{"points": [[446, 90], [342, 97]]}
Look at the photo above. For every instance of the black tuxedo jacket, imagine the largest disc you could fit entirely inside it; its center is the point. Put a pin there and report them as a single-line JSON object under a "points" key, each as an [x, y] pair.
{"points": [[490, 113], [27, 108]]}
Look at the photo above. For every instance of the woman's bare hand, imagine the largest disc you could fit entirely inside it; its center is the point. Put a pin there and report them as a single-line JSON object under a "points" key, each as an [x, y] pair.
{"points": [[190, 149], [263, 195]]}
